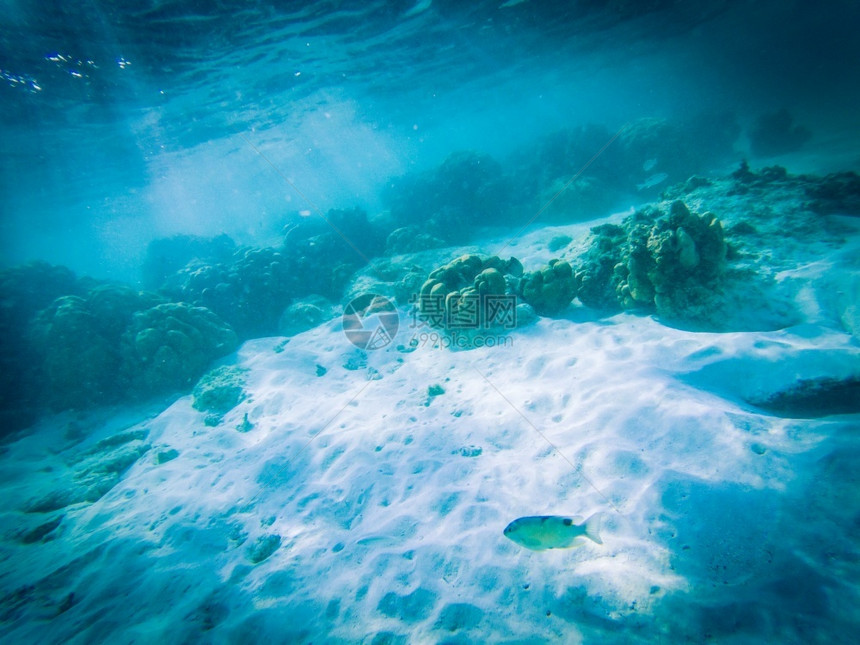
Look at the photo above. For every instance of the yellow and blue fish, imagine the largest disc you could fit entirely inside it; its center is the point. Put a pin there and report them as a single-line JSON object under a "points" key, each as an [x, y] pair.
{"points": [[541, 532]]}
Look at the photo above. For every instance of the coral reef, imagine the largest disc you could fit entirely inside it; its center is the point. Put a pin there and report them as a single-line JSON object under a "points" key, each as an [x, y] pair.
{"points": [[29, 288], [254, 286], [452, 294], [551, 289], [595, 270], [671, 262], [771, 217], [169, 346], [113, 306], [74, 354], [250, 292], [219, 391], [76, 341], [79, 364]]}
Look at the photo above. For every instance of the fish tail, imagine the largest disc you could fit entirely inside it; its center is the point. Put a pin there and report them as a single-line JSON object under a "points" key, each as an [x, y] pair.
{"points": [[592, 528]]}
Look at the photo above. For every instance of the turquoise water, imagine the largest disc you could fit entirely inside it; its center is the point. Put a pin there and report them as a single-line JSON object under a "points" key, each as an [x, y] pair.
{"points": [[241, 244], [122, 123]]}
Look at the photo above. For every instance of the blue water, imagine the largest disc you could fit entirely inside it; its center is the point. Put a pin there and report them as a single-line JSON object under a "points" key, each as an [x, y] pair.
{"points": [[121, 121], [470, 125]]}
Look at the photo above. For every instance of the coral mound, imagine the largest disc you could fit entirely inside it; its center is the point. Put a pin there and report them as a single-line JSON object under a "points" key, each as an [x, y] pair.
{"points": [[455, 294], [671, 262], [169, 346], [551, 289]]}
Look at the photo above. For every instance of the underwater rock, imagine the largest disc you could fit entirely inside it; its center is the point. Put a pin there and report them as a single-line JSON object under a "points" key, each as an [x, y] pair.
{"points": [[467, 189], [559, 242], [263, 547], [813, 398], [551, 289], [744, 180], [113, 306], [169, 346], [103, 469], [166, 256], [432, 392], [681, 190], [837, 193], [219, 390], [410, 239], [246, 425], [77, 339], [585, 198], [164, 455], [742, 228], [31, 532], [344, 234], [249, 292], [78, 364], [651, 151], [775, 133], [24, 291], [29, 288], [306, 313], [93, 472]]}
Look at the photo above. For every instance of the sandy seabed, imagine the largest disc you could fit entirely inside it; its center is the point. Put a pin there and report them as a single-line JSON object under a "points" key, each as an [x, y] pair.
{"points": [[360, 496]]}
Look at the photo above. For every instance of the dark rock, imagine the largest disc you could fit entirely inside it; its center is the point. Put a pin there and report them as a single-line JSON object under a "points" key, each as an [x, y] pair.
{"points": [[775, 133], [813, 398]]}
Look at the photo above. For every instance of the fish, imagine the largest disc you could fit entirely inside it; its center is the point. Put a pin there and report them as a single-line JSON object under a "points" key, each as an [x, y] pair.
{"points": [[541, 532], [653, 180]]}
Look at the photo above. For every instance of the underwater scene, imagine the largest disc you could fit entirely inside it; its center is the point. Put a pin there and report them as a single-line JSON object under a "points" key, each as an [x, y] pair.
{"points": [[429, 321]]}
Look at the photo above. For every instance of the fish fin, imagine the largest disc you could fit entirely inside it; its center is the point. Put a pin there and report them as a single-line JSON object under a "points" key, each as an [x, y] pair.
{"points": [[592, 528]]}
